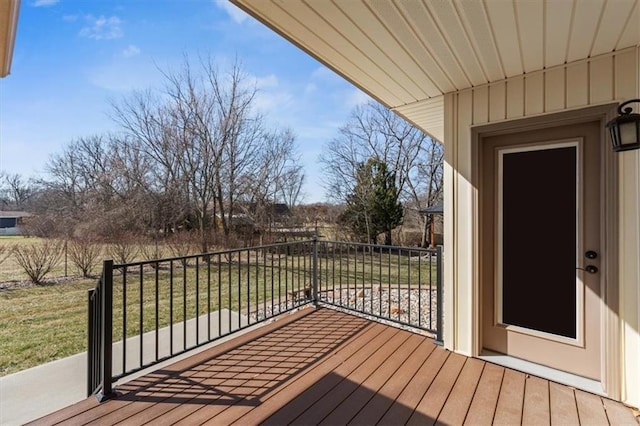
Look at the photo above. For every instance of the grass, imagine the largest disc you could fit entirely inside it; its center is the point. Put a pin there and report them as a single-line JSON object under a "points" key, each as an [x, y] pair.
{"points": [[42, 323]]}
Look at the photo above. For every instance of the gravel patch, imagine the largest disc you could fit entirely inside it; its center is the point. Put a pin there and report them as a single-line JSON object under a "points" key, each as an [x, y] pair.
{"points": [[413, 310]]}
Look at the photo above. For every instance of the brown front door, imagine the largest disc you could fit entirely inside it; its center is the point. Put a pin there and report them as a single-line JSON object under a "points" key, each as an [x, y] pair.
{"points": [[540, 230]]}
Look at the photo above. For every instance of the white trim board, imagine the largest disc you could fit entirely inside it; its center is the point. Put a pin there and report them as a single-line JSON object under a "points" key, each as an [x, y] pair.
{"points": [[544, 372]]}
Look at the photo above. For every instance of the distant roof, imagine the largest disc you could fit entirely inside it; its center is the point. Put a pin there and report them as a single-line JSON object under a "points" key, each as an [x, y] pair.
{"points": [[14, 214], [437, 209]]}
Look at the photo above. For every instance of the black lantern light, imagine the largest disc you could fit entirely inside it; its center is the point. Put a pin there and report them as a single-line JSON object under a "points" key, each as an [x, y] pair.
{"points": [[625, 129]]}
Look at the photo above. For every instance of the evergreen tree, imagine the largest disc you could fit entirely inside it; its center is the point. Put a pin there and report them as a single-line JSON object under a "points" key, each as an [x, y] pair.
{"points": [[373, 207]]}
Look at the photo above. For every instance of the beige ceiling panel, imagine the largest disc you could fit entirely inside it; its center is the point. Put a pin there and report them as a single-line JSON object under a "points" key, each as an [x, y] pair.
{"points": [[450, 24], [502, 18], [586, 17], [530, 15], [431, 35], [340, 31], [347, 61], [476, 22], [409, 73], [428, 115], [8, 22], [557, 29], [631, 34], [611, 26], [391, 17]]}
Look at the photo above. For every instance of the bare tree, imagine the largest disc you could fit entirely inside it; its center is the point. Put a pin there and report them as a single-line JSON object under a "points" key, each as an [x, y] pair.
{"points": [[15, 191]]}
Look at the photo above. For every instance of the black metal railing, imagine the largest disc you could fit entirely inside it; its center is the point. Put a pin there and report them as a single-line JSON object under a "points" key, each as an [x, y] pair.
{"points": [[143, 313], [396, 284]]}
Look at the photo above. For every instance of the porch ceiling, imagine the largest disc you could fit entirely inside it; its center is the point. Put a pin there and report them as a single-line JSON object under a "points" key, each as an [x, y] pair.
{"points": [[407, 54], [8, 24]]}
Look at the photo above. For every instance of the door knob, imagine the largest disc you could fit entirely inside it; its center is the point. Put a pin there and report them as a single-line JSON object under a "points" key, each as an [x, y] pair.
{"points": [[591, 254]]}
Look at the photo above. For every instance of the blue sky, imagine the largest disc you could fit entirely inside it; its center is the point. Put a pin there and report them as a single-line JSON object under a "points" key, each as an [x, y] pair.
{"points": [[72, 57]]}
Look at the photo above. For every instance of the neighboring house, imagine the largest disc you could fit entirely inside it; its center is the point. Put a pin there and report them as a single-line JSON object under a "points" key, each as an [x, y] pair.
{"points": [[11, 222], [519, 93]]}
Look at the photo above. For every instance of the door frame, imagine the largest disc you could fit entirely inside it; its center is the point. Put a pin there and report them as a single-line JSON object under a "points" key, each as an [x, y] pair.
{"points": [[609, 328]]}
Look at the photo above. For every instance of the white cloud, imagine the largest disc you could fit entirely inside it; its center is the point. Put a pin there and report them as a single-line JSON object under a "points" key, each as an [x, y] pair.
{"points": [[325, 74], [70, 18], [44, 3], [234, 12], [130, 51], [101, 28], [269, 81], [357, 97]]}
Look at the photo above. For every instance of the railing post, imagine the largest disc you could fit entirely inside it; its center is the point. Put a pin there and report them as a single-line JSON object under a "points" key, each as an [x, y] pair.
{"points": [[439, 283], [90, 342], [107, 330], [314, 274]]}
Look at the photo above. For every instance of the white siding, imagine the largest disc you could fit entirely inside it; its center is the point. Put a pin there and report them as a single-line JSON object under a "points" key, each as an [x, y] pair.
{"points": [[599, 80]]}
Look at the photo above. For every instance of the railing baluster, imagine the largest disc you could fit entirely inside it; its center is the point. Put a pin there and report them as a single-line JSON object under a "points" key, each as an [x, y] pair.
{"points": [[219, 295], [420, 290], [141, 313], [171, 308], [380, 281], [157, 348], [248, 289], [208, 259], [197, 314], [315, 271], [439, 312], [184, 303], [124, 319], [409, 261]]}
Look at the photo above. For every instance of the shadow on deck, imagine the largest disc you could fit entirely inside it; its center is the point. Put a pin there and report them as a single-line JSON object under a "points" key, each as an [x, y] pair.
{"points": [[323, 366]]}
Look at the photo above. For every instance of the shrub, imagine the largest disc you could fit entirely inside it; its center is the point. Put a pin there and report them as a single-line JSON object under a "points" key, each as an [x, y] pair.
{"points": [[181, 244], [123, 249], [84, 254], [38, 259], [5, 252]]}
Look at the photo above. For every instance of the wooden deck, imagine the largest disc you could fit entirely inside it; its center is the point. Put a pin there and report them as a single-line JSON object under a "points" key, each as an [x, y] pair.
{"points": [[320, 366]]}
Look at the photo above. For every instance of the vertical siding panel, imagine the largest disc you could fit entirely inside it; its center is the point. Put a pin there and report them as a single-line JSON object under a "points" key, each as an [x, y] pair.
{"points": [[497, 101], [554, 89], [629, 245], [601, 80], [464, 225], [625, 82], [578, 85], [481, 105], [534, 94], [515, 97]]}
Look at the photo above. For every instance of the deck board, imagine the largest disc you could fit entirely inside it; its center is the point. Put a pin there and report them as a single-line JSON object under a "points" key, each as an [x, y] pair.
{"points": [[485, 399], [458, 403], [535, 410], [321, 365]]}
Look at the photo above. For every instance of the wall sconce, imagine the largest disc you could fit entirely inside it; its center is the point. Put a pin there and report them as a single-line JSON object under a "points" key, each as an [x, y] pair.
{"points": [[625, 129]]}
